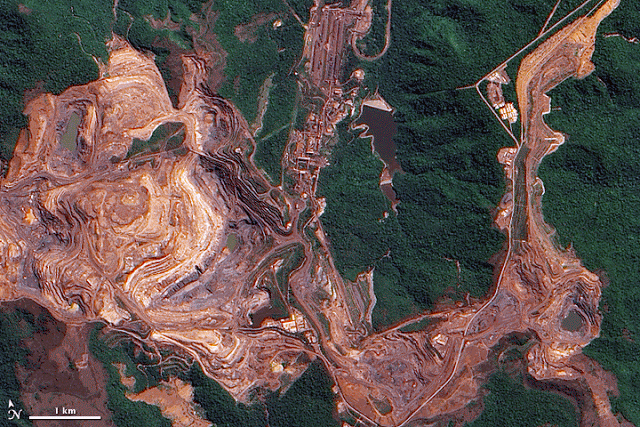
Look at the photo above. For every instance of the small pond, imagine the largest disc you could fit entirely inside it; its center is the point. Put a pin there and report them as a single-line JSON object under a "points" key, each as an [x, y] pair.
{"points": [[383, 129], [572, 322]]}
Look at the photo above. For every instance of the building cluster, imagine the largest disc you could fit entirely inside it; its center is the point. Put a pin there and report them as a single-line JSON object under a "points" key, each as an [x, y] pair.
{"points": [[506, 110], [320, 126], [295, 324], [329, 30]]}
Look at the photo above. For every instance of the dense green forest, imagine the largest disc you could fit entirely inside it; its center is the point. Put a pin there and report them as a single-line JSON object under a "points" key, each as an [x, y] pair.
{"points": [[218, 405], [373, 43], [124, 412], [592, 192], [307, 403], [14, 326], [267, 52], [444, 216], [510, 404], [40, 49], [447, 142]]}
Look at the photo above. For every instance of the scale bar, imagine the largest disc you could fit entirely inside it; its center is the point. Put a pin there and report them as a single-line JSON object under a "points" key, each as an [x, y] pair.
{"points": [[65, 417]]}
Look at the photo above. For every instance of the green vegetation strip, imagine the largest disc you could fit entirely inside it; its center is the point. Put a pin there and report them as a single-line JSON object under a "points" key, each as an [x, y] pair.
{"points": [[14, 326], [447, 144], [510, 404], [307, 403]]}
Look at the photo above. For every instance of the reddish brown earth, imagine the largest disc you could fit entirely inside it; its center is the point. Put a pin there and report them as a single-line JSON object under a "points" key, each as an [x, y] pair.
{"points": [[141, 243], [60, 371], [247, 32]]}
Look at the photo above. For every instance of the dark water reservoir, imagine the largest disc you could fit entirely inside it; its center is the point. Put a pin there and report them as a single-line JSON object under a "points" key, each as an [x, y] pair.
{"points": [[232, 241], [68, 140], [572, 322], [383, 129]]}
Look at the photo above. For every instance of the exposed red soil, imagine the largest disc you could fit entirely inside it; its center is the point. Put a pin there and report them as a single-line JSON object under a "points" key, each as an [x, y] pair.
{"points": [[58, 374]]}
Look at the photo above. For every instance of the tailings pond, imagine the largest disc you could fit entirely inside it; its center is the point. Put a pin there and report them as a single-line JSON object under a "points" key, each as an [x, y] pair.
{"points": [[572, 322], [383, 129]]}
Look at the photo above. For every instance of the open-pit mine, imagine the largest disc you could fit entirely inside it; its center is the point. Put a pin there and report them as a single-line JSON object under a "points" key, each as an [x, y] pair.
{"points": [[187, 248]]}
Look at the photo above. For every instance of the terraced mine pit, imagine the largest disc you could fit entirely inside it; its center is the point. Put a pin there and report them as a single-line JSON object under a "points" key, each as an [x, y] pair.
{"points": [[186, 246]]}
